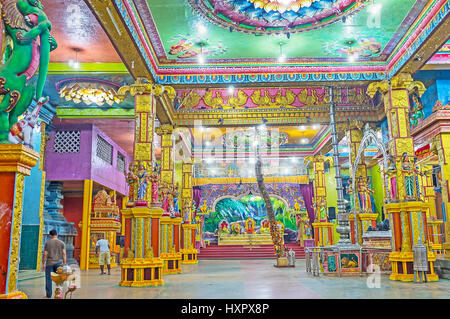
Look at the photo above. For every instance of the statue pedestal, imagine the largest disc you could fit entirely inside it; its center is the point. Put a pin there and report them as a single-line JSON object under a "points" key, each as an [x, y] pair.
{"points": [[409, 228], [323, 234], [169, 246], [144, 266], [16, 162], [141, 272], [364, 221], [188, 252]]}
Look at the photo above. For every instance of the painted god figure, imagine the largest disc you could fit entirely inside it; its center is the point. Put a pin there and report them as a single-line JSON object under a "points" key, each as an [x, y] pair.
{"points": [[131, 177], [364, 192], [165, 201], [143, 179], [155, 180], [186, 211], [350, 192], [175, 195], [409, 177], [250, 226]]}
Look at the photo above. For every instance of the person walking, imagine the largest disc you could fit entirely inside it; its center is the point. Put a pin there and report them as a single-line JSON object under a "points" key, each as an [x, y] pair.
{"points": [[54, 253], [105, 256]]}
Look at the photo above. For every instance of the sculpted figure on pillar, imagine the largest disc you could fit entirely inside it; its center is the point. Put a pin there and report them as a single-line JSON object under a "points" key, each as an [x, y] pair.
{"points": [[131, 177], [142, 179], [155, 180]]}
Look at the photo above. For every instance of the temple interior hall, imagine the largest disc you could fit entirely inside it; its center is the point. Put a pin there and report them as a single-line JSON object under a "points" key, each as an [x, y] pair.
{"points": [[225, 149]]}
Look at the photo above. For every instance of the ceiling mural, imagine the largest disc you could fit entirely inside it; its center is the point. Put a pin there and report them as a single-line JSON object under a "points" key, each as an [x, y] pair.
{"points": [[251, 98], [165, 20], [265, 17]]}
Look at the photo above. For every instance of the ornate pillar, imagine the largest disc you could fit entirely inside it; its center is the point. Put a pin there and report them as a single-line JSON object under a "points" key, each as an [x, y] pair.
{"points": [[188, 228], [142, 265], [16, 162], [85, 224], [323, 230], [442, 143], [354, 134], [167, 158], [407, 213]]}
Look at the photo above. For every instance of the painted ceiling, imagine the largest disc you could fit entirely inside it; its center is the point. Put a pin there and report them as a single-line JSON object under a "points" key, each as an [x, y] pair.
{"points": [[183, 33], [74, 26]]}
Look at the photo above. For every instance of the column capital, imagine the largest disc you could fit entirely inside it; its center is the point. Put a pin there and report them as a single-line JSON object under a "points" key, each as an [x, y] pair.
{"points": [[401, 81], [164, 129], [318, 159], [144, 86]]}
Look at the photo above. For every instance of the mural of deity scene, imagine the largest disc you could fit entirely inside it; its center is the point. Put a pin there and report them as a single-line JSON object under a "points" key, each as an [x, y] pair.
{"points": [[231, 210]]}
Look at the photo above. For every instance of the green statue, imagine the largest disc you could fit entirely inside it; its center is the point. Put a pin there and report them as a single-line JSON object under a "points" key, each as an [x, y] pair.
{"points": [[27, 29]]}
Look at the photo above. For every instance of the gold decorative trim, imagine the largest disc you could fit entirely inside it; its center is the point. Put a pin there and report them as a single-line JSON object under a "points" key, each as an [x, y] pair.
{"points": [[15, 231]]}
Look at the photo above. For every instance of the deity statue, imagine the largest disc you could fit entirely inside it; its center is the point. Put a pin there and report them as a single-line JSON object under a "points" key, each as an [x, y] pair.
{"points": [[223, 228], [204, 207], [323, 210], [409, 177], [250, 226], [265, 227], [186, 211], [175, 195], [416, 113], [365, 204], [391, 171], [165, 198], [155, 180], [131, 177], [142, 178], [350, 192], [27, 29]]}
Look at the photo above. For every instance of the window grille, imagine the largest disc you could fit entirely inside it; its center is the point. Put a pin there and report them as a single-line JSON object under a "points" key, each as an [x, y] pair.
{"points": [[121, 162], [104, 150], [67, 142]]}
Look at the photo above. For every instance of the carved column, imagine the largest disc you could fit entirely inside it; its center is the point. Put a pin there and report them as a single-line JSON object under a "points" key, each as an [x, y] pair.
{"points": [[323, 230], [188, 228], [167, 158], [16, 162], [143, 265], [407, 212]]}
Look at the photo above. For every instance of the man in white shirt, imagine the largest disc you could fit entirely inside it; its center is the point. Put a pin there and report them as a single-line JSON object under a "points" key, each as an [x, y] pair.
{"points": [[104, 257]]}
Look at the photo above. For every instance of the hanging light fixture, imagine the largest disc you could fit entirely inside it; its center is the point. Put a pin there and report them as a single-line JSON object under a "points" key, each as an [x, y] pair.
{"points": [[282, 57]]}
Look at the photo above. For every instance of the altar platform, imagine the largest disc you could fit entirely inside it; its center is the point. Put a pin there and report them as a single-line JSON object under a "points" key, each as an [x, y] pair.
{"points": [[244, 239]]}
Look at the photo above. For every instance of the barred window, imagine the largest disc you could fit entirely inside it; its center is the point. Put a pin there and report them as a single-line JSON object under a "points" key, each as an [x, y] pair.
{"points": [[67, 142], [104, 150], [120, 162]]}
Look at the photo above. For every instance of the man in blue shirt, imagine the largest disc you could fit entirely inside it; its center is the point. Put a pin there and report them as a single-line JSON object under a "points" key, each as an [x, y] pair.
{"points": [[104, 257]]}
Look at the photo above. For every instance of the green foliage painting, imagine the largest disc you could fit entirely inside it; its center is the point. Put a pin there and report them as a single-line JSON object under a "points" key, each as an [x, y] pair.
{"points": [[252, 206]]}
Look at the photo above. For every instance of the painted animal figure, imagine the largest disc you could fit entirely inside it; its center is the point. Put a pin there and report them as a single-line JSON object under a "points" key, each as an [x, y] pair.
{"points": [[28, 28], [22, 132]]}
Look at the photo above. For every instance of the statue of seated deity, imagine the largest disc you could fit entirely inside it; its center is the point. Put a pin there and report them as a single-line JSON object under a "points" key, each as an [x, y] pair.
{"points": [[249, 226], [223, 228], [265, 227]]}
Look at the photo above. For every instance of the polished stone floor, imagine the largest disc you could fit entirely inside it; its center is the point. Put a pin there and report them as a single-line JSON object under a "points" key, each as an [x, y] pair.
{"points": [[245, 279]]}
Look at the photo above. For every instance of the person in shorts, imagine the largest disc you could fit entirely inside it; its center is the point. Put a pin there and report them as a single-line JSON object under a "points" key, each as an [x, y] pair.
{"points": [[54, 253], [104, 256]]}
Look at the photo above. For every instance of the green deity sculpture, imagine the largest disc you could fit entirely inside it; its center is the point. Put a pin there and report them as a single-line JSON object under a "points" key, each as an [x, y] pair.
{"points": [[26, 35]]}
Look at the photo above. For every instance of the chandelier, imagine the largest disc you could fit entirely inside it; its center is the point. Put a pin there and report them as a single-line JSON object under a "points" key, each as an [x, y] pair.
{"points": [[90, 93]]}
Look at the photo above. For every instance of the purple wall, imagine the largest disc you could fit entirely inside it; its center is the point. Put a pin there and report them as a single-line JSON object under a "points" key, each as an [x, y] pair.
{"points": [[85, 164]]}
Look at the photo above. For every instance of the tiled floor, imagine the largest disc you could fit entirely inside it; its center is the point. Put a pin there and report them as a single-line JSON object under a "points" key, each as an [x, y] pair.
{"points": [[245, 279]]}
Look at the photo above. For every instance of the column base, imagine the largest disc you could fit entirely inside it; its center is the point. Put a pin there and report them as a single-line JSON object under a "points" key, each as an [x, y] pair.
{"points": [[189, 256], [172, 263], [14, 295], [324, 234], [141, 272], [402, 266]]}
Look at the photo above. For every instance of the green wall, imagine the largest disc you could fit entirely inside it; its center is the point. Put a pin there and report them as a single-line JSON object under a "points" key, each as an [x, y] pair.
{"points": [[377, 186]]}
